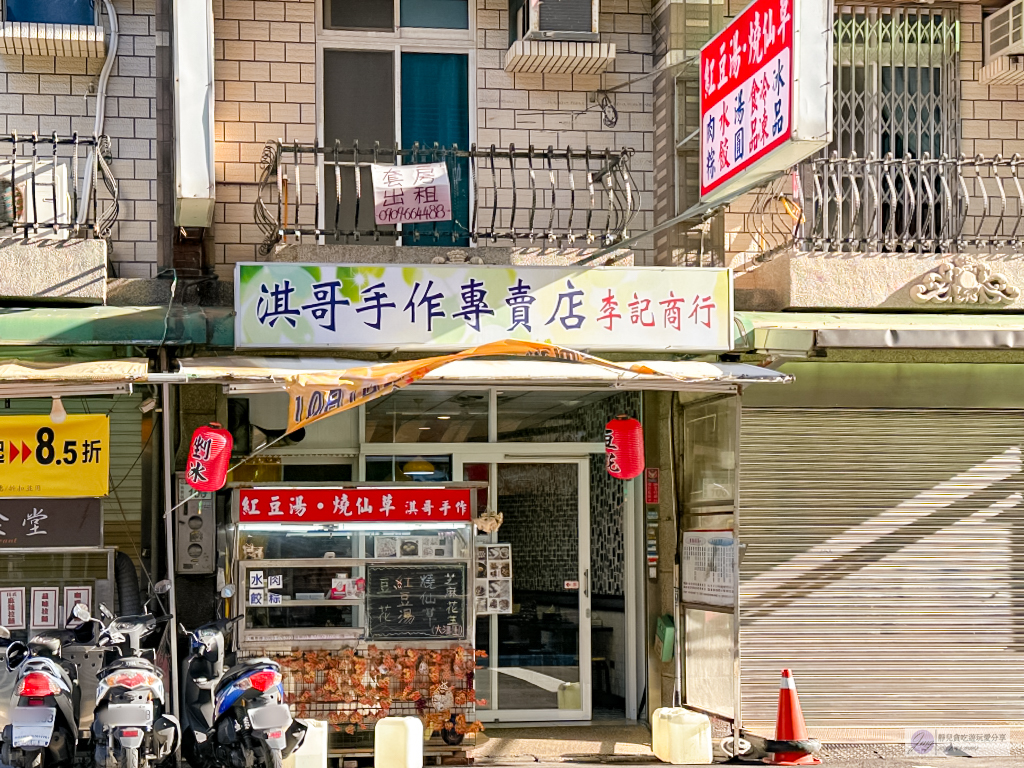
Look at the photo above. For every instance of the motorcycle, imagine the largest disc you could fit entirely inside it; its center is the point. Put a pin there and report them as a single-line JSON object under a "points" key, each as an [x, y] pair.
{"points": [[44, 712], [131, 728], [237, 718]]}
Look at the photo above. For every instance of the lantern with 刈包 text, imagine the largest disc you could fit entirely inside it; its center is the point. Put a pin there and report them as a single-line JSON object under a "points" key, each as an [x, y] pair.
{"points": [[624, 447], [208, 458]]}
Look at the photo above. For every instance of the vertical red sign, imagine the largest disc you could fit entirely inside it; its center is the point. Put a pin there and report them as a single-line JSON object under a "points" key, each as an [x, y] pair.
{"points": [[652, 482], [745, 95]]}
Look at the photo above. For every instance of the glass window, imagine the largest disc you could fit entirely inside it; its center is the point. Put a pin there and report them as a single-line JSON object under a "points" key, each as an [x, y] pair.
{"points": [[438, 14], [51, 11], [317, 473], [359, 14], [421, 469], [709, 445], [428, 416], [546, 416], [435, 110]]}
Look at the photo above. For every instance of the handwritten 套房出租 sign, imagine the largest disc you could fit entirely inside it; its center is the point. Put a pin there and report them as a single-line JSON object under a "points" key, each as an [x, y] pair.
{"points": [[411, 194], [425, 602]]}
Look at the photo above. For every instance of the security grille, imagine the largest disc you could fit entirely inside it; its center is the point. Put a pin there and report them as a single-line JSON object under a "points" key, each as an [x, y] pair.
{"points": [[895, 75]]}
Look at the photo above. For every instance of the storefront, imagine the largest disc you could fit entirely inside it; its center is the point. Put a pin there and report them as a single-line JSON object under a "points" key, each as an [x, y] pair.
{"points": [[72, 437], [554, 594]]}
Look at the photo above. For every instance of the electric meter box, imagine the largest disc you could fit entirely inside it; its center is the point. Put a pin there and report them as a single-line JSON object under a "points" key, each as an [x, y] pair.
{"points": [[195, 531]]}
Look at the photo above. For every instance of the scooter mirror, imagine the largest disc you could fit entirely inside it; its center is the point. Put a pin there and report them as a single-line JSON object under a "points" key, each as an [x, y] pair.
{"points": [[5, 633], [228, 591], [105, 612], [162, 587], [16, 653], [81, 613]]}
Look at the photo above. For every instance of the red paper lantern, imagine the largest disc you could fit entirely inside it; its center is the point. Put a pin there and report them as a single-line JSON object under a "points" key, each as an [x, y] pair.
{"points": [[208, 458], [624, 447]]}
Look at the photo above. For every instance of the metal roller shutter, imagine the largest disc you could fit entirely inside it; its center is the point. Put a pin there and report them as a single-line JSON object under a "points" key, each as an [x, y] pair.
{"points": [[885, 565]]}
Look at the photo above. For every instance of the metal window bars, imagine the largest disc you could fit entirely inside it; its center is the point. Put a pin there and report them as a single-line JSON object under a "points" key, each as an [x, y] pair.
{"points": [[39, 185], [894, 205], [562, 197]]}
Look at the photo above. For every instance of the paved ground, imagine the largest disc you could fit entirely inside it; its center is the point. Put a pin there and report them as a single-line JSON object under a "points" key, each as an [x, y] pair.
{"points": [[629, 745]]}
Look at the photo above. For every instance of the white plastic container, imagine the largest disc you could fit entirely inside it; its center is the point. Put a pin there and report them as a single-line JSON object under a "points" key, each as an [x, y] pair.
{"points": [[681, 737], [313, 752], [569, 696], [398, 743]]}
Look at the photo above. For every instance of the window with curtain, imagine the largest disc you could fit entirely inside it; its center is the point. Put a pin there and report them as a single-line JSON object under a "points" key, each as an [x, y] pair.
{"points": [[435, 14], [435, 110], [51, 11]]}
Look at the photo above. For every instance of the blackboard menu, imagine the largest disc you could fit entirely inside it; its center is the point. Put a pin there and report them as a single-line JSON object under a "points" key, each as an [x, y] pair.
{"points": [[423, 602]]}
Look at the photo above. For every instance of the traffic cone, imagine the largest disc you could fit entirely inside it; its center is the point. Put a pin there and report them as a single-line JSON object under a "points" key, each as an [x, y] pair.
{"points": [[789, 724]]}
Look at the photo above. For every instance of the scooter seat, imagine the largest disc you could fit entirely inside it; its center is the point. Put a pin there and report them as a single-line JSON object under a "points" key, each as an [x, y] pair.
{"points": [[47, 644]]}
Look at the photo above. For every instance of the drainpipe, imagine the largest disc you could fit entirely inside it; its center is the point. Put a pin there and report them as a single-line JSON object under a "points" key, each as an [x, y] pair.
{"points": [[101, 111], [165, 396]]}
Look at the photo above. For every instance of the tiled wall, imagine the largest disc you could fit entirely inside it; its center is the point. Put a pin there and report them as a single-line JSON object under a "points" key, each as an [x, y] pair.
{"points": [[540, 504], [47, 94], [265, 69]]}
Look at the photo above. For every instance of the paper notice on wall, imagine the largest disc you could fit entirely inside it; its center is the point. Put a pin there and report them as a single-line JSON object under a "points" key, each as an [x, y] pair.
{"points": [[411, 194], [493, 585], [709, 567], [12, 608]]}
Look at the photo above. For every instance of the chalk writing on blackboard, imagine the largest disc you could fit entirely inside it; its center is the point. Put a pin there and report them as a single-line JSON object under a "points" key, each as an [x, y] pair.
{"points": [[416, 601]]}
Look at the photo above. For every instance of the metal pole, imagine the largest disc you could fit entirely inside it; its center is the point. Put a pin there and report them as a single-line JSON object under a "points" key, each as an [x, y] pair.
{"points": [[165, 396]]}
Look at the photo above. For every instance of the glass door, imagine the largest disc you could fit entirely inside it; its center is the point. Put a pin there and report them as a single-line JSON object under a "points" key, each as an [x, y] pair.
{"points": [[538, 665]]}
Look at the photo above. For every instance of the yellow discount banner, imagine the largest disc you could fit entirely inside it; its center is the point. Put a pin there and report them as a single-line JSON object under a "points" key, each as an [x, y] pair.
{"points": [[39, 457]]}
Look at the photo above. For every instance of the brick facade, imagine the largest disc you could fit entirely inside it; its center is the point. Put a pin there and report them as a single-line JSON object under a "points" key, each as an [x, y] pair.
{"points": [[45, 94], [265, 54]]}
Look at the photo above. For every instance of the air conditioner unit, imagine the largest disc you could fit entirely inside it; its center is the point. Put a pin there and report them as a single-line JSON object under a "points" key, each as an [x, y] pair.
{"points": [[557, 37], [36, 194], [1004, 32], [570, 20]]}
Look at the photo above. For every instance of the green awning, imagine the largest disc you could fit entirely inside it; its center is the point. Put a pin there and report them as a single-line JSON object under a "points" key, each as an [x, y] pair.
{"points": [[107, 326], [800, 332]]}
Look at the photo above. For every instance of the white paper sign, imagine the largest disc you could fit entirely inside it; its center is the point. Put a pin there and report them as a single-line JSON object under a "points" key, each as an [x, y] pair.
{"points": [[256, 580], [74, 595], [411, 194], [273, 598], [709, 567], [275, 582], [257, 597], [44, 608], [12, 607]]}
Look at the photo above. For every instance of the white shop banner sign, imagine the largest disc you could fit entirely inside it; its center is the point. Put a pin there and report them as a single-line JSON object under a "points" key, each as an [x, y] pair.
{"points": [[411, 194], [370, 306]]}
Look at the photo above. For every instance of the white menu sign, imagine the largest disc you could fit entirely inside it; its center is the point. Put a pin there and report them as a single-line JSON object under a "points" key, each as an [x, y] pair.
{"points": [[12, 607], [45, 610]]}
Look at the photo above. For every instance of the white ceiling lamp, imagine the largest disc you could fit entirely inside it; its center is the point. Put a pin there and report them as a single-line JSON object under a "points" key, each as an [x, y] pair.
{"points": [[57, 413]]}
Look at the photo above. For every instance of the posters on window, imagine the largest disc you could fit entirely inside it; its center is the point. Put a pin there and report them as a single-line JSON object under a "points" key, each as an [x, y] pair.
{"points": [[493, 590], [709, 568]]}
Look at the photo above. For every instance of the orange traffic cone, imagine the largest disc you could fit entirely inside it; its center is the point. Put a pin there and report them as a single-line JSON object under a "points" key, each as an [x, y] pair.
{"points": [[789, 724]]}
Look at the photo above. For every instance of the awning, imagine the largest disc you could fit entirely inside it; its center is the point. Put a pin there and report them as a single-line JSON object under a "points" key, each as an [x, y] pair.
{"points": [[32, 378], [250, 375], [800, 332], [141, 326]]}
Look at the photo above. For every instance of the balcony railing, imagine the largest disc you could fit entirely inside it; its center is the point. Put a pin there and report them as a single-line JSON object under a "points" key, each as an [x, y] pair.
{"points": [[51, 185], [894, 205], [559, 197]]}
